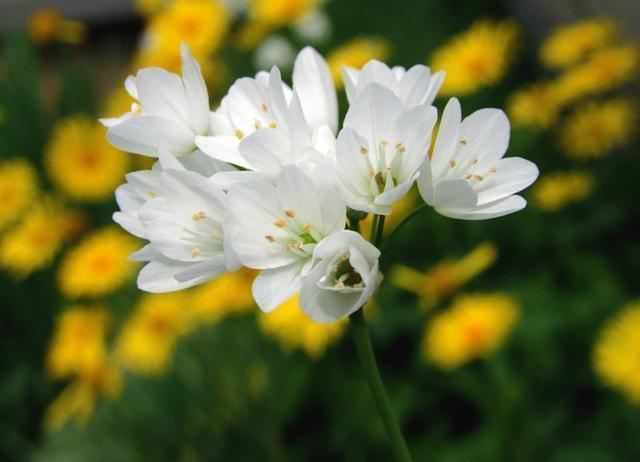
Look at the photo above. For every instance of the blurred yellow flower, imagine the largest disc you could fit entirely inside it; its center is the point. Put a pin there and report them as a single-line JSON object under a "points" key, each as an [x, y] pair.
{"points": [[356, 53], [47, 25], [476, 58], [536, 105], [293, 329], [555, 191], [444, 279], [596, 128], [81, 162], [147, 340], [605, 70], [78, 341], [77, 401], [18, 186], [570, 43], [475, 326], [148, 7], [617, 350], [202, 24], [226, 295], [98, 265], [33, 242]]}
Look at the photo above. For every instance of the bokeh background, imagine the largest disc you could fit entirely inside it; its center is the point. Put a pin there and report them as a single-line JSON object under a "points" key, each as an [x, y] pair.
{"points": [[516, 339]]}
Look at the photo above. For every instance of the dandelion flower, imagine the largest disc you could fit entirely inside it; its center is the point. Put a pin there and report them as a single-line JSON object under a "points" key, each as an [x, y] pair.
{"points": [[98, 265], [78, 341], [596, 128], [537, 105], [226, 295], [475, 326], [616, 353], [571, 43], [356, 53], [476, 58], [81, 162], [147, 340], [202, 24], [556, 190], [18, 186], [78, 400], [47, 25], [293, 329], [34, 241], [446, 277]]}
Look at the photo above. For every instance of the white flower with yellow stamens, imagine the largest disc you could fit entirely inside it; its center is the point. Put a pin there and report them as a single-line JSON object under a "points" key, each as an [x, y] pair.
{"points": [[343, 276], [170, 113], [275, 228], [381, 148], [414, 87], [467, 177]]}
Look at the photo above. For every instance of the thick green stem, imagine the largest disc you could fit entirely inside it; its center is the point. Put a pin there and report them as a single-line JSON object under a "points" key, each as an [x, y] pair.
{"points": [[370, 367]]}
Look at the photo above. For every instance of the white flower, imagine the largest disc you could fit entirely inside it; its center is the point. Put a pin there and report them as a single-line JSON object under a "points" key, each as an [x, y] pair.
{"points": [[171, 112], [181, 214], [414, 87], [380, 149], [259, 106], [275, 228], [275, 50], [343, 276], [466, 176]]}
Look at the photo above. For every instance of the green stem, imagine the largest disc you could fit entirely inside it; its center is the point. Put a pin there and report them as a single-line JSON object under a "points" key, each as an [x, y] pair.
{"points": [[377, 228], [370, 367]]}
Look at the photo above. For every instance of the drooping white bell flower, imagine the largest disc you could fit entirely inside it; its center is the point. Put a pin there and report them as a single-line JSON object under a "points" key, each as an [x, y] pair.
{"points": [[381, 148], [343, 276], [183, 221], [170, 113], [303, 115], [275, 226], [414, 87], [467, 176]]}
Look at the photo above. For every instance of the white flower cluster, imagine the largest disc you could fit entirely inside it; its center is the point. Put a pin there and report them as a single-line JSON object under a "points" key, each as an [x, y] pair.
{"points": [[265, 180]]}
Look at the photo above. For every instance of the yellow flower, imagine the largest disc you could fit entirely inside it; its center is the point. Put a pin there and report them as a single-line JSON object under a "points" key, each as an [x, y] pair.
{"points": [[202, 24], [616, 353], [605, 70], [476, 58], [78, 341], [571, 43], [47, 25], [356, 53], [98, 265], [537, 105], [34, 241], [555, 191], [18, 186], [596, 128], [293, 329], [226, 295], [77, 401], [444, 279], [81, 162], [475, 326], [147, 340]]}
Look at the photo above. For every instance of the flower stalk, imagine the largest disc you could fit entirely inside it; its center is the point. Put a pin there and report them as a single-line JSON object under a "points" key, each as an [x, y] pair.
{"points": [[370, 366]]}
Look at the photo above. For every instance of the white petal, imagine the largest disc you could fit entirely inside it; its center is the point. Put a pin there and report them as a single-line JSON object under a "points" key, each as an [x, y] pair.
{"points": [[313, 82], [275, 286], [492, 210], [265, 150], [350, 78], [512, 175], [158, 277], [145, 134], [162, 94], [130, 86], [414, 86], [396, 193], [486, 135], [222, 147], [196, 91], [203, 271], [454, 194], [447, 140], [435, 84]]}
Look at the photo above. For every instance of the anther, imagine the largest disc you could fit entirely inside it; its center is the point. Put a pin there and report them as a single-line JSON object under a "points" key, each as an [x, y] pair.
{"points": [[264, 108], [239, 134], [270, 238], [199, 216], [290, 213], [153, 194], [400, 147], [478, 177], [257, 124], [195, 252], [273, 125], [279, 223], [452, 162], [306, 228], [364, 151], [493, 170], [463, 142]]}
